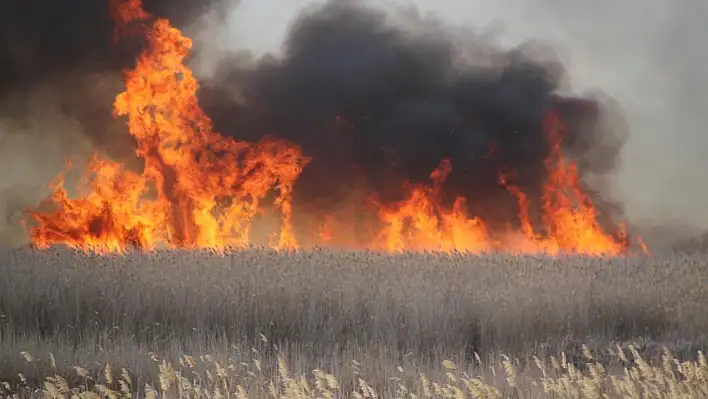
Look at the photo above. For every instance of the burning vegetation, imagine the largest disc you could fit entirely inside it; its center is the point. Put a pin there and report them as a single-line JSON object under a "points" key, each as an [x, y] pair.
{"points": [[373, 138]]}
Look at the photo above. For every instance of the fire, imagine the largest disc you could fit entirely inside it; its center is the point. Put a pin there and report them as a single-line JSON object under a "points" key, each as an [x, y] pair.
{"points": [[568, 214], [199, 189], [420, 222]]}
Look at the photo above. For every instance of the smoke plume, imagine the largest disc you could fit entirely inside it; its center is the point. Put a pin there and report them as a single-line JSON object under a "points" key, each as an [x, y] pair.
{"points": [[375, 99]]}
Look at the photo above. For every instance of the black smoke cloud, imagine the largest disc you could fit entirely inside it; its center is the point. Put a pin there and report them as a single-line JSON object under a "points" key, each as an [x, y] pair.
{"points": [[67, 47], [381, 100], [45, 38], [373, 99]]}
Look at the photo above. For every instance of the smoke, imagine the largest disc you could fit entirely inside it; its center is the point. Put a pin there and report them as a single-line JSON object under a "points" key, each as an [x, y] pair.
{"points": [[648, 56], [376, 97]]}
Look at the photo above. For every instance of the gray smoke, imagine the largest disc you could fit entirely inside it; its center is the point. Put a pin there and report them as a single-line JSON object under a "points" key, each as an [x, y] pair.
{"points": [[380, 97], [640, 63], [647, 55]]}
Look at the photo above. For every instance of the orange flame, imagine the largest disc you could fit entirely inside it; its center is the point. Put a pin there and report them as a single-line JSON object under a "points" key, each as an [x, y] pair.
{"points": [[569, 213], [199, 189], [421, 223]]}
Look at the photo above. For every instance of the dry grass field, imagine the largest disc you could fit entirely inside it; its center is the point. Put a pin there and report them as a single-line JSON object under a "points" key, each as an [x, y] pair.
{"points": [[323, 323]]}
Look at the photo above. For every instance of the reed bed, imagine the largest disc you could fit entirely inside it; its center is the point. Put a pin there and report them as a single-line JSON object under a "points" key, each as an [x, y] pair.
{"points": [[351, 320]]}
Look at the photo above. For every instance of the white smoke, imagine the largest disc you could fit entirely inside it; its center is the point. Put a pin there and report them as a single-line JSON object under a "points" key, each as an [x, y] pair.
{"points": [[38, 135]]}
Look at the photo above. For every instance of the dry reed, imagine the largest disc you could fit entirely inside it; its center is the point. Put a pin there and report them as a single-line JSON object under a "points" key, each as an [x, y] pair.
{"points": [[381, 318]]}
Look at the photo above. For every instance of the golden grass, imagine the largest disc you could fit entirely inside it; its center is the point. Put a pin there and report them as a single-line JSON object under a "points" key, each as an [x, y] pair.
{"points": [[205, 377], [389, 320]]}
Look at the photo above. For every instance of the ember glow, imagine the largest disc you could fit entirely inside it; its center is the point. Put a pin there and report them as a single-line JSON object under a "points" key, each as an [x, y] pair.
{"points": [[200, 189]]}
